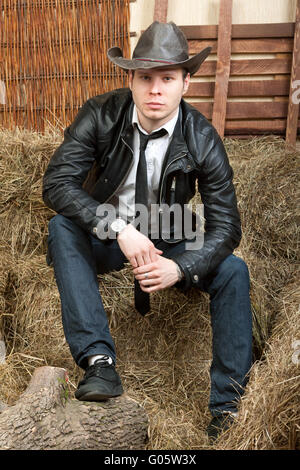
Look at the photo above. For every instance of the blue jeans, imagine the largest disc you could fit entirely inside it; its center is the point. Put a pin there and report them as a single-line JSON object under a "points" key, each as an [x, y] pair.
{"points": [[78, 257]]}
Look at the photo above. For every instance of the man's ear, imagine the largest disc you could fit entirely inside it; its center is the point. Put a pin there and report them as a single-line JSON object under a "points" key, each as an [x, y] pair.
{"points": [[186, 83]]}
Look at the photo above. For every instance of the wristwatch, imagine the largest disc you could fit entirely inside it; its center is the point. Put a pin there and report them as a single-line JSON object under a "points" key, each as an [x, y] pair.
{"points": [[118, 225], [180, 273]]}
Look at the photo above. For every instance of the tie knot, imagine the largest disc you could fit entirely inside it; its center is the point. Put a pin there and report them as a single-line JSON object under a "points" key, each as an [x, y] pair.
{"points": [[144, 138]]}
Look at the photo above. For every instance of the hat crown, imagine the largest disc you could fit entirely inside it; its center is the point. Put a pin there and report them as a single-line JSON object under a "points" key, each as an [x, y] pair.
{"points": [[160, 45], [162, 41]]}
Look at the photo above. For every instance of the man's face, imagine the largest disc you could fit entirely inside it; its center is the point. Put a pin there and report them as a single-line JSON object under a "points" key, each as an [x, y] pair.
{"points": [[157, 94]]}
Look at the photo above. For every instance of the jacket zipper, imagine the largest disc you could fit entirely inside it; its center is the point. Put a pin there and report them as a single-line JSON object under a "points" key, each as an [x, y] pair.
{"points": [[167, 167], [160, 194]]}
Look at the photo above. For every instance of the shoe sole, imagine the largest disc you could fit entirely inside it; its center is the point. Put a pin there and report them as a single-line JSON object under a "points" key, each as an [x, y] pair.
{"points": [[96, 396]]}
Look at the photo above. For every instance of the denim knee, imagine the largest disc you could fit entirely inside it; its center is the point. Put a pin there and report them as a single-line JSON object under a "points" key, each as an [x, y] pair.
{"points": [[57, 223], [234, 267], [231, 275], [56, 233]]}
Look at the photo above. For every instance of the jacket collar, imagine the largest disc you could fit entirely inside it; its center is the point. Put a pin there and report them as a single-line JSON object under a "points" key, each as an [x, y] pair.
{"points": [[177, 145], [168, 126]]}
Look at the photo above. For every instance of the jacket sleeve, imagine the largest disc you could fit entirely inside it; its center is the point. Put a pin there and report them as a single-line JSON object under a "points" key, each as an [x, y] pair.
{"points": [[68, 168], [222, 220]]}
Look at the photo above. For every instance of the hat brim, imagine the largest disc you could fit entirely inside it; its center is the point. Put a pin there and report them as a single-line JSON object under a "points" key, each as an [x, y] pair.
{"points": [[192, 64]]}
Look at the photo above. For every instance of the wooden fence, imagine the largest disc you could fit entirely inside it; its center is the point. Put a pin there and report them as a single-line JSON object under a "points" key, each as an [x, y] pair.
{"points": [[252, 95], [53, 57], [255, 103]]}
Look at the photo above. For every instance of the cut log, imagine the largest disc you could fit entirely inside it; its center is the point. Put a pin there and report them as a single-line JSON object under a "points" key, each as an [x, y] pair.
{"points": [[45, 418]]}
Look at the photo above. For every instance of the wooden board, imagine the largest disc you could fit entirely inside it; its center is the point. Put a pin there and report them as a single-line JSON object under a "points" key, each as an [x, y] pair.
{"points": [[223, 66], [250, 116], [248, 67], [293, 109], [250, 88], [246, 46], [267, 30], [256, 127], [160, 11], [246, 109]]}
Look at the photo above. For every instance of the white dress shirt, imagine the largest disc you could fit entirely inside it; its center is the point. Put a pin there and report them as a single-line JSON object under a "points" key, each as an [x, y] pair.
{"points": [[124, 199]]}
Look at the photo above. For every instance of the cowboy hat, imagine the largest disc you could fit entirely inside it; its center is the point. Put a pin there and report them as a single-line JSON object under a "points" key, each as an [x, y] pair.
{"points": [[160, 45]]}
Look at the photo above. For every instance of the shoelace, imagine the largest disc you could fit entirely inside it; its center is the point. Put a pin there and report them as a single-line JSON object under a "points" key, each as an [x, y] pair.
{"points": [[102, 360], [95, 369]]}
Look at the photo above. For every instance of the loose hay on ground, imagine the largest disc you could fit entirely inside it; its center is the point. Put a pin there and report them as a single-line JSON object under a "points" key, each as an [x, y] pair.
{"points": [[23, 216], [267, 185], [164, 358], [269, 412]]}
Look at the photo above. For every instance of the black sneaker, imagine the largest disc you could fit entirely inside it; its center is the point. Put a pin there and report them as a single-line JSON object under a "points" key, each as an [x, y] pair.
{"points": [[218, 425], [100, 382]]}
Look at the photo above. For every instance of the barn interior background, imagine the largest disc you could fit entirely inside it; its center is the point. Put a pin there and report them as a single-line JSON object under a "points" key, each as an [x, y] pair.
{"points": [[52, 58]]}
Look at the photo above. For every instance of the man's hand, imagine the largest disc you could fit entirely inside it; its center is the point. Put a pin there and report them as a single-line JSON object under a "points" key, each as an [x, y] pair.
{"points": [[137, 248], [160, 274]]}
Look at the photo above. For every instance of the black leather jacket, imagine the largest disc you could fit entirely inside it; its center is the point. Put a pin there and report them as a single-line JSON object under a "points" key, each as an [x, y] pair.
{"points": [[95, 157]]}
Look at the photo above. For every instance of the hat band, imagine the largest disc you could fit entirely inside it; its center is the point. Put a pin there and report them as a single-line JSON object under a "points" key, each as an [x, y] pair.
{"points": [[155, 60]]}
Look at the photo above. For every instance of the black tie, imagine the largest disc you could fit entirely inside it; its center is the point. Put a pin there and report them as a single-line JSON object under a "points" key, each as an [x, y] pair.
{"points": [[142, 299]]}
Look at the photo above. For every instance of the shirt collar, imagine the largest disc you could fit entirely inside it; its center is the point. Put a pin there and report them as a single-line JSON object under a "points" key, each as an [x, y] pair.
{"points": [[169, 126]]}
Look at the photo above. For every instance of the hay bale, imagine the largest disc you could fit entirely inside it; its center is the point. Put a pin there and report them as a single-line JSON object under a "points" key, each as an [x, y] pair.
{"points": [[269, 413], [31, 323], [164, 358], [266, 180], [24, 156], [267, 184]]}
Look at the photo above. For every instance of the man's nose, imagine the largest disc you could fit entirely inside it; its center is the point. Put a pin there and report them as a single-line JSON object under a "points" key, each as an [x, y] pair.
{"points": [[155, 86]]}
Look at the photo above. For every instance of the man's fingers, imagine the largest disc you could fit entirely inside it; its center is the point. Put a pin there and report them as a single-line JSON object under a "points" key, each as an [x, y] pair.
{"points": [[147, 258], [154, 253], [133, 262], [150, 282], [147, 283], [146, 276], [151, 288], [141, 270], [137, 248]]}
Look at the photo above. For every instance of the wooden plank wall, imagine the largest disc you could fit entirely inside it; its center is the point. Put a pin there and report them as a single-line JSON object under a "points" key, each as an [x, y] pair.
{"points": [[258, 88], [293, 110]]}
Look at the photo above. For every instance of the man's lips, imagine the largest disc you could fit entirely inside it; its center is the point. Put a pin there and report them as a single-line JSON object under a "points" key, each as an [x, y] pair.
{"points": [[154, 105]]}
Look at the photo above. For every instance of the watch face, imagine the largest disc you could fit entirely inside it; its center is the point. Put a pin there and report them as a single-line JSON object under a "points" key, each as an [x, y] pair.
{"points": [[118, 225]]}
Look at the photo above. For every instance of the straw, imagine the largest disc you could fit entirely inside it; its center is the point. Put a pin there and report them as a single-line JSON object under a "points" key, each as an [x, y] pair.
{"points": [[164, 358]]}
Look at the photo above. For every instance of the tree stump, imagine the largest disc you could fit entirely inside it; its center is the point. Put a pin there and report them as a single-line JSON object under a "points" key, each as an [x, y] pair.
{"points": [[45, 418]]}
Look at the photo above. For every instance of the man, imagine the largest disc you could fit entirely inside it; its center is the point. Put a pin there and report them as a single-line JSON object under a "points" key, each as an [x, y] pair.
{"points": [[106, 161]]}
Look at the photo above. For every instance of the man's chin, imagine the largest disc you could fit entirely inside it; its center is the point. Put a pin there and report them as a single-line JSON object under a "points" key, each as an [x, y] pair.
{"points": [[157, 115]]}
